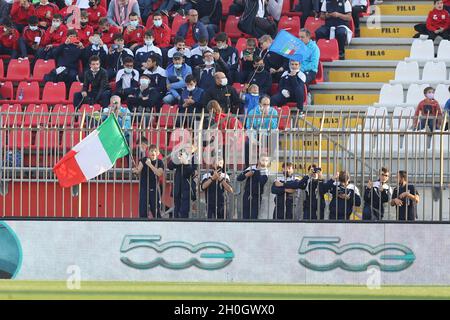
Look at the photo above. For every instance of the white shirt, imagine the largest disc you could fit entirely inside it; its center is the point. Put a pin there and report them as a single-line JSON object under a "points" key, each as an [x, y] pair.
{"points": [[126, 78]]}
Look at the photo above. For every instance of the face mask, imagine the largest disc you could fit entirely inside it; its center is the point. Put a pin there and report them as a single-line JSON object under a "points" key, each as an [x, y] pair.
{"points": [[224, 82], [148, 42], [221, 47], [209, 63], [144, 82], [255, 94], [430, 96], [56, 24], [134, 23], [190, 88], [203, 48], [157, 23], [33, 28], [68, 2], [95, 41], [177, 65], [127, 70]]}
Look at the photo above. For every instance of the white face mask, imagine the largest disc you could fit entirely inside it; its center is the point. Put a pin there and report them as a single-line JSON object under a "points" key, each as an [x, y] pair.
{"points": [[255, 94], [148, 42], [224, 82], [177, 66], [190, 88], [157, 23], [56, 24], [430, 96], [209, 63], [221, 47], [144, 82], [134, 23], [68, 2], [128, 70], [203, 48], [33, 28]]}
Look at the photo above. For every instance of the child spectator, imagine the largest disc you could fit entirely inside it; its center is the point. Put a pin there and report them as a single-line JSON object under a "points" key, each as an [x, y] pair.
{"points": [[95, 13], [191, 97], [179, 46], [108, 31], [116, 55], [230, 55], [9, 39], [284, 197], [197, 52], [31, 37], [21, 11], [437, 24], [428, 112], [85, 30], [95, 48], [127, 79], [215, 184], [161, 31], [158, 80], [142, 99], [405, 198], [250, 98], [260, 76], [45, 11], [53, 37], [146, 50], [134, 32], [150, 170]]}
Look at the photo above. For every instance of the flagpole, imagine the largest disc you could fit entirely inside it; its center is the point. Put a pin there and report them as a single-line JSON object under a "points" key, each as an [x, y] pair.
{"points": [[83, 118], [254, 72]]}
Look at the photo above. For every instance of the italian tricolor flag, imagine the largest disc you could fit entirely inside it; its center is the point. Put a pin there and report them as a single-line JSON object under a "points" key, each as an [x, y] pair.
{"points": [[94, 155]]}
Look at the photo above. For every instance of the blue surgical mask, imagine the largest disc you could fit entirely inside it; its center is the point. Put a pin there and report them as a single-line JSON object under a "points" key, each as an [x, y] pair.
{"points": [[177, 65], [134, 23], [157, 23], [128, 70]]}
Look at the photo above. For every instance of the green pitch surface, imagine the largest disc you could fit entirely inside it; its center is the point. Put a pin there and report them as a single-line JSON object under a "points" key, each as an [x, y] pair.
{"points": [[158, 290]]}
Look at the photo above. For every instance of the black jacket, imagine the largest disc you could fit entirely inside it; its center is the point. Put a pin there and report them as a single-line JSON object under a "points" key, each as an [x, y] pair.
{"points": [[227, 97], [67, 55], [263, 79], [98, 84], [211, 9]]}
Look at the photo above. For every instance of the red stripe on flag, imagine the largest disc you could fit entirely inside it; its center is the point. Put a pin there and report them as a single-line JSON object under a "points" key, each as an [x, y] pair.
{"points": [[68, 171]]}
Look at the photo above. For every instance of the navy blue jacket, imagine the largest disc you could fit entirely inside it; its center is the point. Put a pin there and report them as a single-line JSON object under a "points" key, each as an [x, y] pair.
{"points": [[231, 57], [290, 83], [115, 59], [263, 80], [274, 60], [312, 189], [197, 95], [183, 185], [198, 30], [158, 79], [94, 51], [67, 55], [254, 186], [341, 209]]}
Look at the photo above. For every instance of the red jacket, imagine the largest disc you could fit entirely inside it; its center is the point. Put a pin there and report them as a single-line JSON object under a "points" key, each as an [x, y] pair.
{"points": [[84, 34], [107, 37], [29, 35], [161, 35], [41, 11], [20, 15], [95, 15], [135, 36], [438, 19], [10, 41], [446, 2], [55, 38]]}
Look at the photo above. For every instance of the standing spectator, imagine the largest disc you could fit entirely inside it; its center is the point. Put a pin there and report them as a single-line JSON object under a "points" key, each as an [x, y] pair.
{"points": [[31, 37], [274, 63], [95, 12], [134, 32], [255, 178], [210, 14], [310, 64], [95, 48], [108, 31], [119, 11], [428, 112], [191, 97], [116, 54], [344, 194], [150, 170], [437, 24], [192, 30], [184, 185], [308, 8], [197, 52], [86, 31], [260, 76], [127, 79], [264, 117], [95, 85], [376, 195], [147, 50], [358, 7], [176, 75], [9, 40], [230, 55], [405, 198], [45, 11], [158, 80], [161, 32], [337, 15], [250, 97], [256, 21], [53, 37], [215, 184], [291, 87], [284, 197], [21, 11], [248, 56], [205, 73], [224, 94]]}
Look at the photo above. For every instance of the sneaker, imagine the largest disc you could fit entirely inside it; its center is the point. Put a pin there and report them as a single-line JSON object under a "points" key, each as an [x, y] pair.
{"points": [[301, 114], [341, 56]]}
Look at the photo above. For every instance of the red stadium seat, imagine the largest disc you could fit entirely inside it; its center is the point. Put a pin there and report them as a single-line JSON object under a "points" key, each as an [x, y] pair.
{"points": [[89, 109], [283, 116], [238, 86], [2, 69], [231, 27], [62, 115], [74, 88], [319, 75], [167, 118], [18, 139], [46, 139], [6, 91], [177, 22], [286, 7], [149, 23], [329, 49], [290, 24], [156, 137], [10, 115], [312, 24], [241, 44], [18, 70], [226, 7], [54, 92], [29, 92], [42, 67], [35, 115], [70, 138], [274, 88]]}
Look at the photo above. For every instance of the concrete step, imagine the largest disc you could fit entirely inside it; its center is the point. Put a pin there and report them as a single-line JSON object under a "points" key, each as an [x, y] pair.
{"points": [[359, 75], [376, 53], [347, 98], [406, 8], [393, 19]]}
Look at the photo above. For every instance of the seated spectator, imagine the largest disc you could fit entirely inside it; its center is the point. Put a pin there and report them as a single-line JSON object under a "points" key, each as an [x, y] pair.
{"points": [[143, 98], [428, 112], [358, 7], [310, 64], [264, 117], [158, 80], [250, 97], [405, 198], [230, 55], [134, 32], [181, 6], [86, 31], [95, 48], [438, 23], [147, 50], [53, 37], [307, 8], [210, 14], [224, 94], [260, 76], [197, 52], [95, 13], [176, 75], [345, 196], [248, 55], [21, 12], [67, 56], [192, 30], [122, 114], [127, 79], [256, 21], [273, 62], [9, 40], [205, 73], [96, 87], [337, 15], [45, 11], [291, 87], [30, 39], [116, 53], [191, 97], [108, 31], [161, 31], [119, 11], [65, 12], [179, 46], [237, 8]]}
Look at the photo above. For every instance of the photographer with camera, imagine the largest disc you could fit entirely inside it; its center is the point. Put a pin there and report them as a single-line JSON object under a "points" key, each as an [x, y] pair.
{"points": [[376, 194]]}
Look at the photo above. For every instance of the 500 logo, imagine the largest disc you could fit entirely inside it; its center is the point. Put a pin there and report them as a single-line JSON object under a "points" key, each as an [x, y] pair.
{"points": [[219, 259], [10, 252], [403, 259]]}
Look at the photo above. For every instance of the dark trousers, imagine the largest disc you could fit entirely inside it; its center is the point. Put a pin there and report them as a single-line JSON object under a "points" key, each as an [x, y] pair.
{"points": [[182, 206], [341, 36], [91, 99], [216, 212], [154, 101], [310, 76], [67, 76], [371, 214], [251, 207], [421, 28], [236, 9], [307, 7], [297, 96], [310, 212], [25, 49], [41, 53], [11, 52], [283, 209], [149, 198], [172, 5], [356, 10], [265, 26]]}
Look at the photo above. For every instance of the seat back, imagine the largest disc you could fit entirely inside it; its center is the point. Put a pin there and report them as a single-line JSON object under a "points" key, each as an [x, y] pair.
{"points": [[407, 71], [391, 94], [329, 49], [434, 71], [422, 49]]}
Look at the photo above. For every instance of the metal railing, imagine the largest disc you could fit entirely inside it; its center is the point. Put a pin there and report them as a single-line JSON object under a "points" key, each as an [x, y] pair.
{"points": [[32, 143]]}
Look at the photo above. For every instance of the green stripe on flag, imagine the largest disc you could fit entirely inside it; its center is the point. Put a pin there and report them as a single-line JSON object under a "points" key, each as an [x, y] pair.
{"points": [[112, 139]]}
